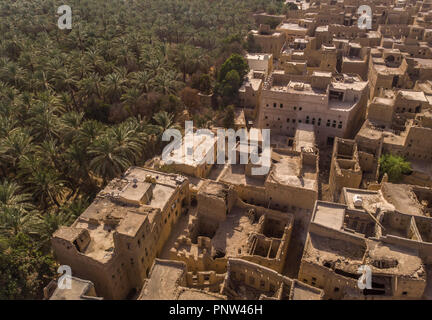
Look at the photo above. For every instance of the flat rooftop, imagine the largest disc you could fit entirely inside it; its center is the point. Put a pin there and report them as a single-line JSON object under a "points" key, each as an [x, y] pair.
{"points": [[413, 95], [254, 83], [79, 287], [299, 88], [346, 252], [341, 254], [301, 291], [354, 84], [291, 26], [163, 281], [214, 189], [304, 136], [272, 34], [423, 63], [289, 172], [322, 28], [402, 197], [235, 174], [258, 56], [201, 146], [372, 200], [329, 214], [383, 101], [408, 261], [369, 131], [384, 70]]}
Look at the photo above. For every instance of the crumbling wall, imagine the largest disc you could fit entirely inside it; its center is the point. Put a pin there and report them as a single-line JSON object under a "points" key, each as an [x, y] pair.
{"points": [[345, 170], [86, 267], [215, 203], [252, 194], [209, 280], [254, 275], [333, 285]]}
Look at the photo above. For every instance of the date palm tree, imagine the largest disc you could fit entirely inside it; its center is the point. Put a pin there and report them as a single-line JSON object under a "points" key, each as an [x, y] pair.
{"points": [[16, 145], [143, 81], [163, 121], [167, 82], [113, 85], [11, 195], [14, 220], [43, 181], [107, 161], [49, 222], [131, 97], [44, 122], [17, 213]]}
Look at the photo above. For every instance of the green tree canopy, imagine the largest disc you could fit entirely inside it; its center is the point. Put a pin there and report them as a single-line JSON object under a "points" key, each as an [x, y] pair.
{"points": [[394, 166], [229, 117], [24, 270], [234, 62], [78, 107]]}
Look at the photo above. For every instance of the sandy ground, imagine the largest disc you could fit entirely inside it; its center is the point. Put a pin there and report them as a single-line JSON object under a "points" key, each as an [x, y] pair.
{"points": [[296, 246], [324, 167]]}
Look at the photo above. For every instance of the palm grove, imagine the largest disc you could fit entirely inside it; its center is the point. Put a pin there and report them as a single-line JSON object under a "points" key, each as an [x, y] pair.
{"points": [[78, 107]]}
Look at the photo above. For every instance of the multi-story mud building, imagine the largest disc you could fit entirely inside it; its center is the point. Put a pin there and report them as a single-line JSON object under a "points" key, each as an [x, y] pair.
{"points": [[336, 96], [334, 104], [114, 242]]}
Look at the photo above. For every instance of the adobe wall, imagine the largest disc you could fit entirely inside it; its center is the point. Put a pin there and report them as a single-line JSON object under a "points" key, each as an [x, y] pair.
{"points": [[357, 67], [424, 248], [249, 98], [340, 178], [420, 143], [367, 161], [380, 113], [344, 172], [216, 206], [287, 196], [327, 232], [394, 30], [418, 178], [379, 81], [202, 262], [256, 276], [333, 284], [270, 43], [205, 280], [357, 116], [88, 268], [252, 194]]}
